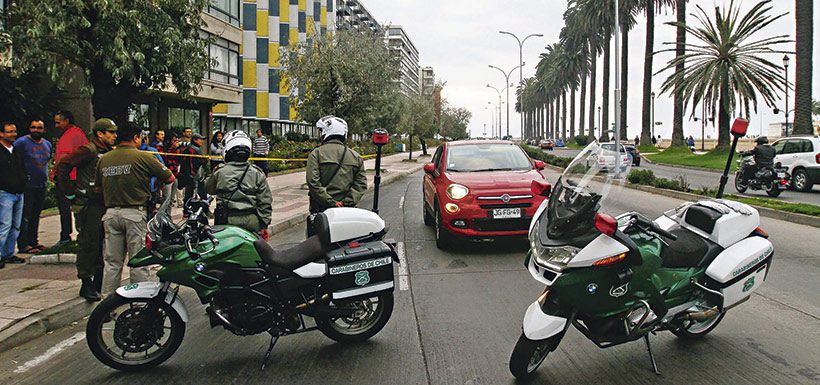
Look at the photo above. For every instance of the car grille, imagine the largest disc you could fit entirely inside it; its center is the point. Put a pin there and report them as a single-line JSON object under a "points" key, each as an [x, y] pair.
{"points": [[489, 224], [505, 205]]}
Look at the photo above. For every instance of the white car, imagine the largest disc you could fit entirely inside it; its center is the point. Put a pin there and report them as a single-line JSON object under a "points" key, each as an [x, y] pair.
{"points": [[607, 157], [801, 156]]}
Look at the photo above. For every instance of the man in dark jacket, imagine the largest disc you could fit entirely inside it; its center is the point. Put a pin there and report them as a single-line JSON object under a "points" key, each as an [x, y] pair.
{"points": [[87, 203], [764, 156], [335, 173], [12, 186]]}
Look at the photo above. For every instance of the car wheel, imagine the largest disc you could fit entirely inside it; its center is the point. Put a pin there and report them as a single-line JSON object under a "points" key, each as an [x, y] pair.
{"points": [[637, 162], [443, 237], [428, 219], [800, 180]]}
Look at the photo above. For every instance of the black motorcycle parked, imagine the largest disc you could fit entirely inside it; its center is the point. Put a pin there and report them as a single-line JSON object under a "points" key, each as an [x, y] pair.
{"points": [[773, 180]]}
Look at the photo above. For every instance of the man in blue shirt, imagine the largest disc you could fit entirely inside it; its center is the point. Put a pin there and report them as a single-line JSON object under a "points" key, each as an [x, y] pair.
{"points": [[151, 205], [36, 153]]}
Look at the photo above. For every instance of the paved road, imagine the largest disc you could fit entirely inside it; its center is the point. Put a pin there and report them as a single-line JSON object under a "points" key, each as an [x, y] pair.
{"points": [[460, 318], [705, 178]]}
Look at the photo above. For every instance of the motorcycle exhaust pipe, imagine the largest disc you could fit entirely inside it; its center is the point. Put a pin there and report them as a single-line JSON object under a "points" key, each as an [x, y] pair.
{"points": [[701, 316], [307, 304]]}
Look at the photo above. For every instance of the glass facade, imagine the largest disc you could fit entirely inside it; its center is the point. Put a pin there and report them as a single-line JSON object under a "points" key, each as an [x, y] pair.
{"points": [[179, 118], [226, 10], [226, 66]]}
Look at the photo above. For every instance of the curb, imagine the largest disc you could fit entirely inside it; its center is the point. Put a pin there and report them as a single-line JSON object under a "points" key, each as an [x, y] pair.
{"points": [[53, 259], [44, 321]]}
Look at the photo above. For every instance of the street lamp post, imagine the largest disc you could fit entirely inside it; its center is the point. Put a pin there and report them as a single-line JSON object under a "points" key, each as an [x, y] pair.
{"points": [[499, 107], [520, 68], [507, 81], [786, 110], [653, 116], [600, 122]]}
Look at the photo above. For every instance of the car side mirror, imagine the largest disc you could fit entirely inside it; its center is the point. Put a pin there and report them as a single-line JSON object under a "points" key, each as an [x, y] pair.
{"points": [[540, 165], [541, 188], [430, 168]]}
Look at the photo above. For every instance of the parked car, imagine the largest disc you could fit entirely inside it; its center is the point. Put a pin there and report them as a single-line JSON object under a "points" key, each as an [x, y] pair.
{"points": [[607, 158], [634, 154], [481, 190], [547, 144], [560, 143], [801, 156]]}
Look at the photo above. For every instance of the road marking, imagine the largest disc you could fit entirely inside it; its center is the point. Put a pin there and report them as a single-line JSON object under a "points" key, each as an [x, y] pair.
{"points": [[401, 203], [404, 282], [50, 353]]}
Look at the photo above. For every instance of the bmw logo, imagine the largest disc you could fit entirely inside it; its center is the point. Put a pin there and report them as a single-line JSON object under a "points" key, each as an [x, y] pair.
{"points": [[505, 198], [200, 267], [592, 288]]}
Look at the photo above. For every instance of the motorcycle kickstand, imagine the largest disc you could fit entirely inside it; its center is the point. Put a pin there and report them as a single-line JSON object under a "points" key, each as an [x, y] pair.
{"points": [[651, 356], [273, 339]]}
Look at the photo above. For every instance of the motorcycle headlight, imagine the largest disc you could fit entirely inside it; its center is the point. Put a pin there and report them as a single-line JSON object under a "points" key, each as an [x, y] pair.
{"points": [[457, 191], [554, 258]]}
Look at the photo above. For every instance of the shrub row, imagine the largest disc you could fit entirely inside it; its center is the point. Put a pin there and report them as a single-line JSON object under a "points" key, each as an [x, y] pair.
{"points": [[546, 158]]}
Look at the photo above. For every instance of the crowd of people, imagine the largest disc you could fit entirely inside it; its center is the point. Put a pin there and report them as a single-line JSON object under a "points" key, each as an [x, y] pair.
{"points": [[109, 186]]}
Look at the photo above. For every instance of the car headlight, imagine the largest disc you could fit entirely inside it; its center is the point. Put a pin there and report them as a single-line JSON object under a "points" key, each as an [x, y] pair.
{"points": [[554, 258], [457, 191]]}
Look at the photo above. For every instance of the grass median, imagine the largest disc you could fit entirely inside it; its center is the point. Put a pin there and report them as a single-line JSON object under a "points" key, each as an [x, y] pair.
{"points": [[681, 156]]}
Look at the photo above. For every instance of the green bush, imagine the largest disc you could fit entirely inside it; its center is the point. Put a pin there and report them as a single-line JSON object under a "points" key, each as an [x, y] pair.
{"points": [[646, 177], [546, 158], [677, 184], [582, 140], [293, 136]]}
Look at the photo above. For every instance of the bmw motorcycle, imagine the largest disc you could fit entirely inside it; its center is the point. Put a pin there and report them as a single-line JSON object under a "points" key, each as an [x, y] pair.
{"points": [[773, 180], [342, 278], [618, 279]]}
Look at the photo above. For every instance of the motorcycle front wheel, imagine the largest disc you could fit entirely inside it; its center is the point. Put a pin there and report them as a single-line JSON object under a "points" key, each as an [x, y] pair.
{"points": [[132, 334], [740, 183], [528, 354], [369, 316]]}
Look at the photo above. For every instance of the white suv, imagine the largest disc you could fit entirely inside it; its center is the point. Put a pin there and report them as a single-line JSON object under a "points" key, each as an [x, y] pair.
{"points": [[801, 155]]}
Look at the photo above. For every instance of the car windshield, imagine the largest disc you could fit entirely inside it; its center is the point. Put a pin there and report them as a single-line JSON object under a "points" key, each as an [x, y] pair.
{"points": [[486, 157], [611, 147]]}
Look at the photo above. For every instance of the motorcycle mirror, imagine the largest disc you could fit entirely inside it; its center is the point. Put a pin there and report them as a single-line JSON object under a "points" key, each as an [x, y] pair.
{"points": [[739, 127], [541, 188], [606, 224]]}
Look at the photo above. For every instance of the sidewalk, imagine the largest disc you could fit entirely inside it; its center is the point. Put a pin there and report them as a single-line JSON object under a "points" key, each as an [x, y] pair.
{"points": [[37, 298]]}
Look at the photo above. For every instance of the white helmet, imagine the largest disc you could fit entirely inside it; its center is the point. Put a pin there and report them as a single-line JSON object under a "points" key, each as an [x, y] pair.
{"points": [[331, 125], [237, 146]]}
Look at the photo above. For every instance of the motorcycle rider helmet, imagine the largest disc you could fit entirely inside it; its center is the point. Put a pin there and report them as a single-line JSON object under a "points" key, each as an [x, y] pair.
{"points": [[762, 140], [237, 146], [332, 126]]}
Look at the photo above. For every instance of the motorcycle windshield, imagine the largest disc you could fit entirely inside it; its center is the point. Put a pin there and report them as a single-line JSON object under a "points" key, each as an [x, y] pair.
{"points": [[586, 187]]}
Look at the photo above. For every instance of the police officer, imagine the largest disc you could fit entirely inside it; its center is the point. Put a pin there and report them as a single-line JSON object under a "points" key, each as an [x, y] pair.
{"points": [[87, 204], [241, 188], [764, 156], [335, 173], [124, 175]]}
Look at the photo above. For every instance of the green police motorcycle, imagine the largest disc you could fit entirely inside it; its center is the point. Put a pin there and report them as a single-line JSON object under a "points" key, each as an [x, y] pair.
{"points": [[342, 278], [618, 279]]}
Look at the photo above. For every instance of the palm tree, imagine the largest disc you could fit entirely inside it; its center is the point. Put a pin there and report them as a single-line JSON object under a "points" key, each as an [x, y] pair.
{"points": [[803, 37], [628, 8], [815, 107], [680, 41], [651, 6], [723, 65]]}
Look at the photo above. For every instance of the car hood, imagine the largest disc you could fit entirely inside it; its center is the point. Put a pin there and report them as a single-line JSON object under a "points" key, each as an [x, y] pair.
{"points": [[495, 179]]}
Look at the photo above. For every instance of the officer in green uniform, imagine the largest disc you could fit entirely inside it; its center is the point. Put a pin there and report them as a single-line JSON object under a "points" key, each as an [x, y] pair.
{"points": [[241, 188], [335, 173], [124, 174], [87, 204]]}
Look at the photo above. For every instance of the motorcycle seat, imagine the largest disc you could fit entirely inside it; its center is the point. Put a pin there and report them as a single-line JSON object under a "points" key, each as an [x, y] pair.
{"points": [[297, 256], [689, 250]]}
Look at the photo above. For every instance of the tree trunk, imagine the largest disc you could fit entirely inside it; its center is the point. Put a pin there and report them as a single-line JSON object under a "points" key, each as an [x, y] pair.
{"points": [[571, 115], [605, 89], [411, 147], [680, 50], [592, 72], [423, 145], [804, 36], [646, 113], [564, 112], [723, 117], [549, 119], [583, 106], [624, 77], [109, 100]]}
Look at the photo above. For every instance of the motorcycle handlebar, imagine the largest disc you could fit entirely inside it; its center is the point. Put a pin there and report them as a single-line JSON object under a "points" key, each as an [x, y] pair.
{"points": [[652, 226]]}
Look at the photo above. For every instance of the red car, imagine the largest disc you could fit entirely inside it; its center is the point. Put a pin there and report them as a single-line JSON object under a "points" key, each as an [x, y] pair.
{"points": [[481, 189]]}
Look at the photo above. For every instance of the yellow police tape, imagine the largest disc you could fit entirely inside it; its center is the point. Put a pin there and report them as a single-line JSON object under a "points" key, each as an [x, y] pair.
{"points": [[251, 158]]}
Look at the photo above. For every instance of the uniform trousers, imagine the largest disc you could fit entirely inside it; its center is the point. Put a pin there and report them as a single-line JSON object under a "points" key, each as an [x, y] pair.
{"points": [[125, 230]]}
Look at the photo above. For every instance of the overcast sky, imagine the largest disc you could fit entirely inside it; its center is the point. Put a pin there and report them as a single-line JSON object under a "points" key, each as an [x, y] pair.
{"points": [[459, 38]]}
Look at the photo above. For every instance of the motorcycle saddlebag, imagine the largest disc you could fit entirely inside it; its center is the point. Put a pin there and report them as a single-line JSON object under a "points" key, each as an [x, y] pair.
{"points": [[740, 269], [360, 269]]}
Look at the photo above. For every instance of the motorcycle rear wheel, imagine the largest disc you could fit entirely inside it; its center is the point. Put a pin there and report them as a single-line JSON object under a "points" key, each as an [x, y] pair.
{"points": [[134, 326], [365, 323], [692, 330], [772, 190], [528, 355]]}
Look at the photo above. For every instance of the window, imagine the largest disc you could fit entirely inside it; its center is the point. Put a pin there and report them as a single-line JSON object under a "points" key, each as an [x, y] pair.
{"points": [[179, 118], [791, 147], [806, 146], [778, 146], [227, 10], [226, 66]]}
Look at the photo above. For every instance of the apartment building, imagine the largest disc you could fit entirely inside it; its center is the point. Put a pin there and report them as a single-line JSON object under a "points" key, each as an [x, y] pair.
{"points": [[352, 15], [428, 81], [407, 55]]}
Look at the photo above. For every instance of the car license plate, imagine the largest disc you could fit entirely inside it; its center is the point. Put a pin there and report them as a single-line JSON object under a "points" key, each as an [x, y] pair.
{"points": [[781, 175], [507, 213]]}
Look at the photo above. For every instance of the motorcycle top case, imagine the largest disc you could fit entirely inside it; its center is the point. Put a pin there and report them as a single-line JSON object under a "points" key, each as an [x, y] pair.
{"points": [[358, 270]]}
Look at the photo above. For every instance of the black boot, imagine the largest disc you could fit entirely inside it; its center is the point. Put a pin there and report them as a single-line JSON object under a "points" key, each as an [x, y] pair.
{"points": [[98, 279], [87, 291]]}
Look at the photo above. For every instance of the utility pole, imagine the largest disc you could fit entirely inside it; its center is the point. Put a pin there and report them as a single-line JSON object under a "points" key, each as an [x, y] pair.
{"points": [[521, 69], [617, 88], [653, 115], [507, 81]]}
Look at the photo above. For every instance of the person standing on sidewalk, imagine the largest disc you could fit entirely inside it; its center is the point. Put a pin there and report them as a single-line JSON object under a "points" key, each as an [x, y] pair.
{"points": [[12, 186], [217, 149], [243, 196], [36, 153], [87, 204], [151, 205], [124, 175], [189, 163], [261, 149], [159, 140], [335, 174], [72, 137]]}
